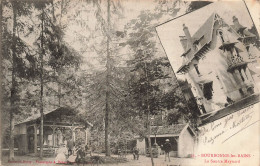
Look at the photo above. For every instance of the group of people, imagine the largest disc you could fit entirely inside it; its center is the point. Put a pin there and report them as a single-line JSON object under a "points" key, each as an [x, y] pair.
{"points": [[68, 152]]}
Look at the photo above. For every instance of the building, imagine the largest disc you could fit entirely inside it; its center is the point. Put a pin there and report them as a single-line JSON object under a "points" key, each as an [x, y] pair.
{"points": [[58, 125], [181, 136], [219, 63]]}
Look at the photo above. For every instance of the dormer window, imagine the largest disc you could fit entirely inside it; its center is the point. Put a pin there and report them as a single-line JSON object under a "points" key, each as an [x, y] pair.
{"points": [[195, 46], [221, 36], [198, 43]]}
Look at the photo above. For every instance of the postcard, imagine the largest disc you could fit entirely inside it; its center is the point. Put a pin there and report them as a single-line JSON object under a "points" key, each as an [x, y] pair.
{"points": [[130, 82]]}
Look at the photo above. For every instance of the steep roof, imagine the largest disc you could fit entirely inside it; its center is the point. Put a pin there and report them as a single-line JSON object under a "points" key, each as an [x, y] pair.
{"points": [[205, 33], [205, 30]]}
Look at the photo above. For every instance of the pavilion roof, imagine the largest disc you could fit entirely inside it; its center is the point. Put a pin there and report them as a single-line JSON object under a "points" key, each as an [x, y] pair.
{"points": [[54, 113]]}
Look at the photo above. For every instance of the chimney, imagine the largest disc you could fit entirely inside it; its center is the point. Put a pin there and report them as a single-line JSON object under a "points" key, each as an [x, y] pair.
{"points": [[235, 21], [187, 33], [183, 41]]}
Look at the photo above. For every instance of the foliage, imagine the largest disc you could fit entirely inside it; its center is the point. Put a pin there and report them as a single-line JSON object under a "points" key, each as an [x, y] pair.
{"points": [[194, 5], [135, 72], [21, 67]]}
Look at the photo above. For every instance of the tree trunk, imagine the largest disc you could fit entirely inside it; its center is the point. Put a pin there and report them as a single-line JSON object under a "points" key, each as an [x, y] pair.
{"points": [[107, 111], [59, 87], [59, 93], [148, 116], [59, 68], [149, 138], [41, 92], [13, 88]]}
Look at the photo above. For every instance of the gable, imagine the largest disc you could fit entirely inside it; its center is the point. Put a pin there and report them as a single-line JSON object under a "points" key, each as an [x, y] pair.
{"points": [[205, 31]]}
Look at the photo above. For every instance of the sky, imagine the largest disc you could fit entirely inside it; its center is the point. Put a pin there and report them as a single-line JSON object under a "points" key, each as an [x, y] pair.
{"points": [[169, 32]]}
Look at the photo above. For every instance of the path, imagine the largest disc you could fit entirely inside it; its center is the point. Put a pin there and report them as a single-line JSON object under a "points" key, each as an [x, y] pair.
{"points": [[143, 161]]}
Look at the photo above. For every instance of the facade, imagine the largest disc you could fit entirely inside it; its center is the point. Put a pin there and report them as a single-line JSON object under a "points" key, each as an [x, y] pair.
{"points": [[181, 136], [59, 125], [219, 63]]}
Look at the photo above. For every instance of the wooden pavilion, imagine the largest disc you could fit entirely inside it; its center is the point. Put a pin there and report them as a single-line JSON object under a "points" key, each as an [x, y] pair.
{"points": [[59, 126]]}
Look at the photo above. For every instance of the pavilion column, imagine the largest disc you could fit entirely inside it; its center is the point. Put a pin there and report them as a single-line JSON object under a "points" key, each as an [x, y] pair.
{"points": [[74, 135], [86, 135], [53, 131], [35, 138]]}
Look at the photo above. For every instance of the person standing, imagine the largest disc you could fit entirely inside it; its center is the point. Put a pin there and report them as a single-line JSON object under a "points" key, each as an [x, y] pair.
{"points": [[70, 146], [136, 153], [167, 147]]}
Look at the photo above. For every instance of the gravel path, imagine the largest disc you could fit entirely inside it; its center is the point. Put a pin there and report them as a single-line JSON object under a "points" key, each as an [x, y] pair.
{"points": [[143, 161]]}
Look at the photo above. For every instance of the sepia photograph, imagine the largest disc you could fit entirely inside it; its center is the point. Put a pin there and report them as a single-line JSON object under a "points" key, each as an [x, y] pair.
{"points": [[130, 83], [215, 52]]}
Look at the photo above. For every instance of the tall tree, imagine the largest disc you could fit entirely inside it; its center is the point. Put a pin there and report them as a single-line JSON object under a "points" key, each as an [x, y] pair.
{"points": [[150, 65], [57, 56], [40, 6], [41, 84], [13, 87], [99, 35], [147, 68], [108, 66], [14, 49]]}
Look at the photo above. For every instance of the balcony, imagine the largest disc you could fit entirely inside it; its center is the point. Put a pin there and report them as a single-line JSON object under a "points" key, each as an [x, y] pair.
{"points": [[237, 65]]}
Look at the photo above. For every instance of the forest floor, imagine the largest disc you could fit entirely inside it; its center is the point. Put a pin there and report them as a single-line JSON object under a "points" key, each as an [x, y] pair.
{"points": [[129, 161]]}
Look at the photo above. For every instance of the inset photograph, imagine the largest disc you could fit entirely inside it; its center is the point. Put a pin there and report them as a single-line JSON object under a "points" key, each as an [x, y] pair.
{"points": [[215, 49]]}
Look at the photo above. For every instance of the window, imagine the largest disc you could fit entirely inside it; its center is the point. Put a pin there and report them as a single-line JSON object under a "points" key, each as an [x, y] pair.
{"points": [[208, 90], [197, 68], [195, 46]]}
